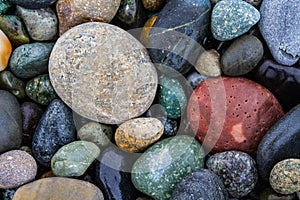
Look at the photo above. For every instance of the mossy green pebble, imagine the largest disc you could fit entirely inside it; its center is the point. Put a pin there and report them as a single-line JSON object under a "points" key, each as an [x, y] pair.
{"points": [[9, 82]]}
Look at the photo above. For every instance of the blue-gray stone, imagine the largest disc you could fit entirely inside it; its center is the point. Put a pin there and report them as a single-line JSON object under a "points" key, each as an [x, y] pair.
{"points": [[4, 6], [33, 3]]}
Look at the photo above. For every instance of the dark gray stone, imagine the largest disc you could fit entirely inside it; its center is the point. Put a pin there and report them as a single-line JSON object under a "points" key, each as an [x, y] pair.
{"points": [[195, 79], [33, 3]]}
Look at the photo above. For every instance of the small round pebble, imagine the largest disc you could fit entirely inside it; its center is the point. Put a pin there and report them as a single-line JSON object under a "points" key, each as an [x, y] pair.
{"points": [[5, 50], [153, 5], [16, 168], [9, 82], [208, 63]]}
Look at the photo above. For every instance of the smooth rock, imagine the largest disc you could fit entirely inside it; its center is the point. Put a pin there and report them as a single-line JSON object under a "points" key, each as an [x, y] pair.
{"points": [[10, 122], [14, 29], [195, 79], [252, 2], [27, 149], [208, 63], [54, 130], [58, 188], [224, 118], [242, 56], [153, 5], [270, 194], [237, 170], [33, 4], [137, 134], [170, 127], [145, 32], [74, 12], [240, 17], [5, 50], [8, 194], [5, 5], [16, 168], [9, 82], [74, 158], [157, 171], [93, 85], [40, 89], [41, 24], [280, 29]]}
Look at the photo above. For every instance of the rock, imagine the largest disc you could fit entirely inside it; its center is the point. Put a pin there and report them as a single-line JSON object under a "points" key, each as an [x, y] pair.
{"points": [[40, 89], [91, 88], [16, 168], [240, 17], [270, 194], [33, 4], [8, 194], [208, 63], [41, 24], [228, 119], [4, 6], [177, 33], [252, 2], [145, 32], [74, 158], [201, 184], [157, 171], [195, 79], [58, 188], [170, 127], [5, 51], [281, 142], [137, 134], [284, 177], [9, 82], [14, 29], [237, 170], [279, 27], [153, 5], [10, 122], [55, 129], [27, 149], [74, 12]]}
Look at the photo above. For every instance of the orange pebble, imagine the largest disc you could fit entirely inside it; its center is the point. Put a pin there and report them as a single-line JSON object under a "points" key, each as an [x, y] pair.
{"points": [[5, 50]]}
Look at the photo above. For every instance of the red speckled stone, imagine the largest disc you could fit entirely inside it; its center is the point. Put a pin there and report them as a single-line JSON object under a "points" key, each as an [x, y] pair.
{"points": [[232, 113]]}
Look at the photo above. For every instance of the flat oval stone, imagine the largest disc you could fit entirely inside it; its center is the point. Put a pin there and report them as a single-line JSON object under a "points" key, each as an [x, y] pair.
{"points": [[93, 85], [208, 63], [16, 168], [9, 82], [153, 5], [5, 50], [58, 188], [137, 134], [157, 171], [4, 6], [33, 4], [74, 158], [281, 142]]}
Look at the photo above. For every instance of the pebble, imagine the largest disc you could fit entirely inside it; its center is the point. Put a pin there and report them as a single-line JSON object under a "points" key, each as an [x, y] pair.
{"points": [[137, 134], [54, 130], [16, 168], [40, 90], [157, 171], [91, 88], [280, 29], [74, 12], [195, 79], [170, 127], [237, 170], [228, 119], [240, 17], [270, 194], [145, 32], [5, 50], [5, 5], [33, 4], [153, 5], [74, 158], [242, 56], [281, 142], [99, 134], [285, 176], [208, 63], [252, 2], [41, 24], [9, 82], [58, 188], [8, 194], [201, 184], [10, 122]]}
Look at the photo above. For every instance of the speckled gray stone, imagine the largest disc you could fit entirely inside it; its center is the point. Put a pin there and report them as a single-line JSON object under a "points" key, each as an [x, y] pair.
{"points": [[279, 25], [195, 79], [252, 2]]}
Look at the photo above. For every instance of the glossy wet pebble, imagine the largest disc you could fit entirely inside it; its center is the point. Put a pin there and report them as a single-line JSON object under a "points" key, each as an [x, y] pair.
{"points": [[11, 83], [5, 50]]}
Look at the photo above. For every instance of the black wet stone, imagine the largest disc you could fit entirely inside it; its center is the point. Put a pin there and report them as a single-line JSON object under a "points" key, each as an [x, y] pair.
{"points": [[170, 127], [55, 129], [33, 3], [8, 194], [9, 82]]}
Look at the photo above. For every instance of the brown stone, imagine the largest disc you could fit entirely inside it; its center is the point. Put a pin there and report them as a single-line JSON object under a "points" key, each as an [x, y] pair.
{"points": [[208, 63], [5, 51], [153, 5], [146, 30]]}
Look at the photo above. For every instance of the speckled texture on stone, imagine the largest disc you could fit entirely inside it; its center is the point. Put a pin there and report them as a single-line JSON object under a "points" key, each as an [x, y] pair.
{"points": [[4, 6], [279, 25], [16, 168], [166, 163], [103, 73], [285, 176], [237, 170], [252, 2], [153, 5], [9, 82], [232, 18], [195, 79], [208, 63], [137, 134]]}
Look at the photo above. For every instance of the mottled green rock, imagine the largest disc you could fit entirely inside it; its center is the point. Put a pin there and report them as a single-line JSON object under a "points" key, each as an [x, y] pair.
{"points": [[171, 96], [232, 18], [14, 29], [165, 164], [9, 82], [4, 6], [74, 158], [40, 90]]}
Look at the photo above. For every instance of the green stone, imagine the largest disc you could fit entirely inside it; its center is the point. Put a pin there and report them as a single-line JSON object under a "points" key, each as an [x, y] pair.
{"points": [[74, 158], [9, 82], [4, 6], [40, 90], [171, 96], [14, 29], [157, 171]]}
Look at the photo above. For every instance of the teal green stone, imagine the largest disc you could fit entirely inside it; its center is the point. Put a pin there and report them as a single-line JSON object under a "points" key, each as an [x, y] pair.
{"points": [[40, 90], [157, 171], [4, 6], [9, 82], [74, 158], [171, 96]]}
